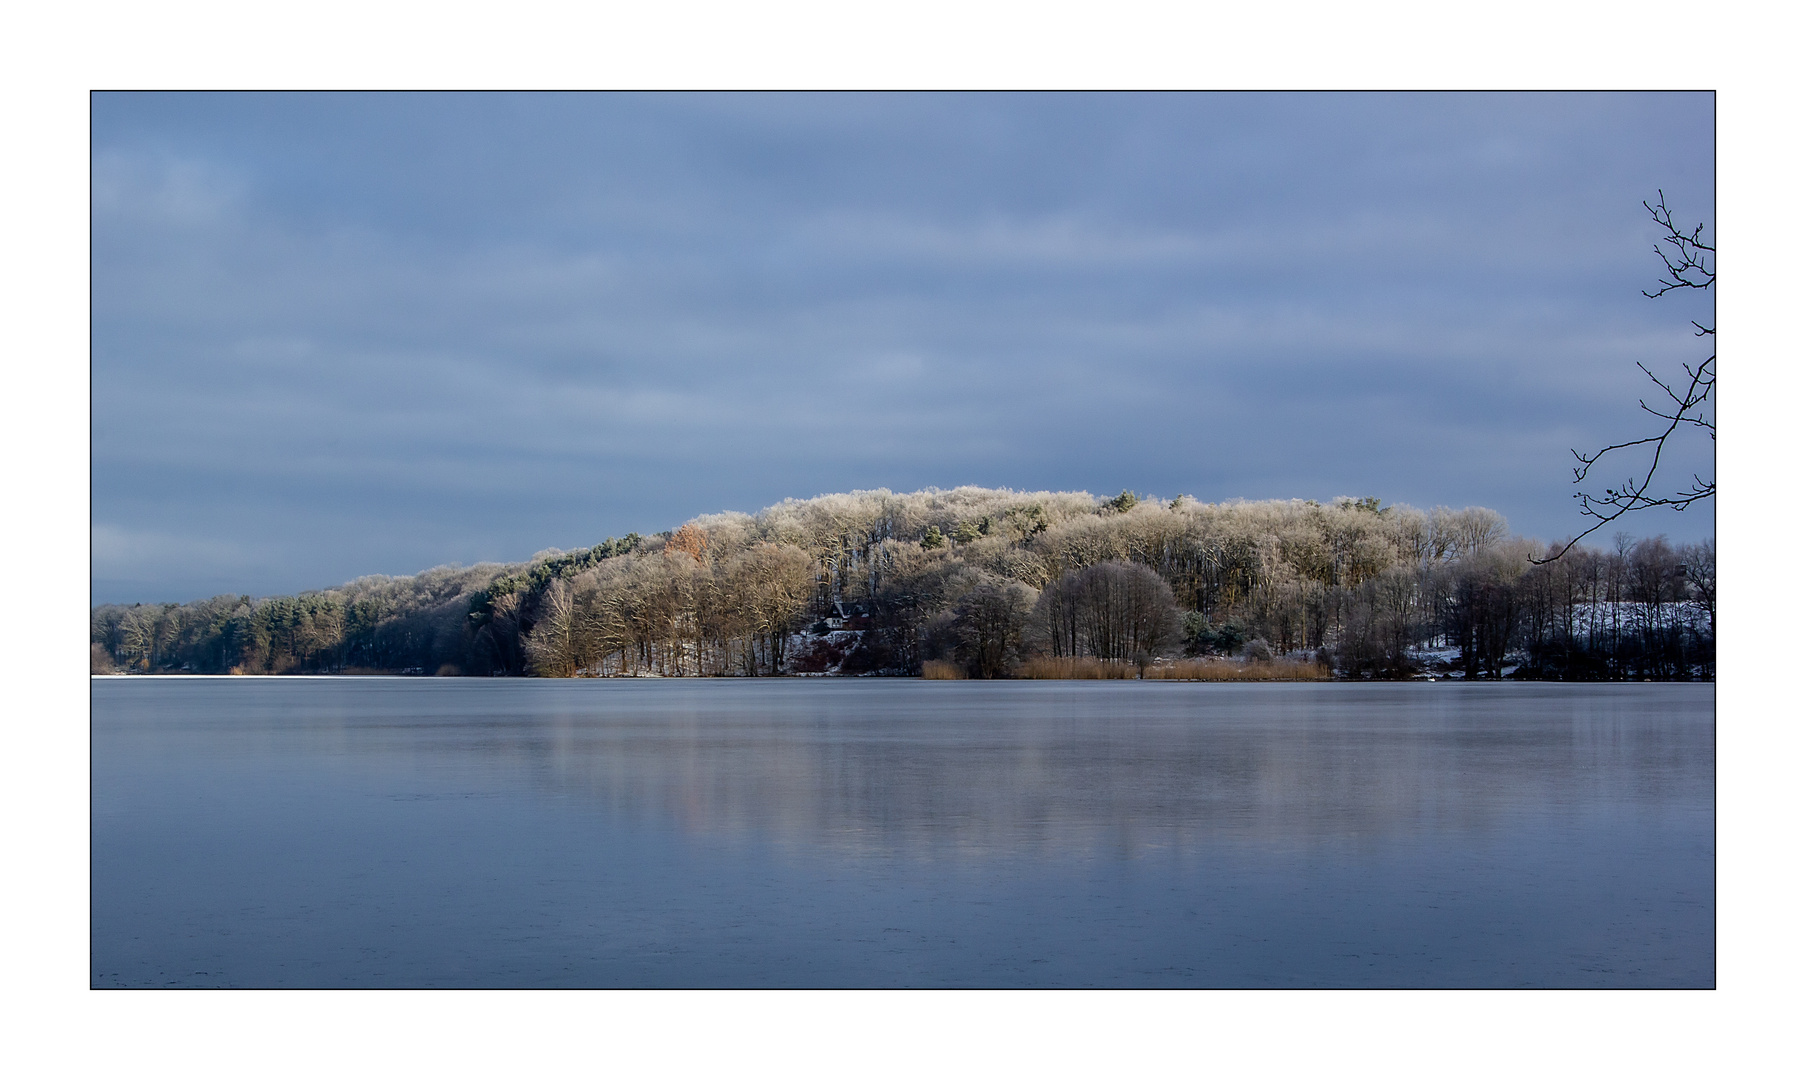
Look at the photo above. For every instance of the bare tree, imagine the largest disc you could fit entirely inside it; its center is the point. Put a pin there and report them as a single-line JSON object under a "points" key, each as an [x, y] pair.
{"points": [[1699, 566], [1689, 263], [1110, 610], [690, 540], [553, 645], [774, 583], [988, 622]]}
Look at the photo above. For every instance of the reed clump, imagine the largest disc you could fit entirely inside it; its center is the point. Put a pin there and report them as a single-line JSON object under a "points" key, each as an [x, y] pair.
{"points": [[1203, 669], [1215, 669], [941, 669], [1074, 667]]}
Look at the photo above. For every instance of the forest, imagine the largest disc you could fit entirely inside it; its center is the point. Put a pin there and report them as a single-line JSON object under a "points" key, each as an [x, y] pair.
{"points": [[985, 583]]}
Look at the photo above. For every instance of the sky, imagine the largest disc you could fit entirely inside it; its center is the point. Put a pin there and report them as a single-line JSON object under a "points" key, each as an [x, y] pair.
{"points": [[336, 335]]}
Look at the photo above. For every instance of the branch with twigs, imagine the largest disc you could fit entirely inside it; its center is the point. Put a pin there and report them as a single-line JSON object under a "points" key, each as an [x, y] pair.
{"points": [[1689, 262]]}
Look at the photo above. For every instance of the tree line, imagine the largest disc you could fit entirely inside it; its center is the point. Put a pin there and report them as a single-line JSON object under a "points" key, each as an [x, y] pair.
{"points": [[985, 580]]}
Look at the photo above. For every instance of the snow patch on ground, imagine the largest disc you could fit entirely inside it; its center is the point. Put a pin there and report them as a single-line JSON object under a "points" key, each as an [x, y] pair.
{"points": [[821, 654]]}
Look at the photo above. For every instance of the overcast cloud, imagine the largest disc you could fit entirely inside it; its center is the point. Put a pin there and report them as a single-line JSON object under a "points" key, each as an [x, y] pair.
{"points": [[337, 335]]}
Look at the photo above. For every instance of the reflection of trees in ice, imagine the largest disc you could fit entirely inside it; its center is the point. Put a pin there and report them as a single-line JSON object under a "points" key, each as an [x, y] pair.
{"points": [[937, 769]]}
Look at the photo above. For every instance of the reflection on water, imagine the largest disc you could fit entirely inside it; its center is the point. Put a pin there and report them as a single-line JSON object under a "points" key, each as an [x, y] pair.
{"points": [[1198, 834]]}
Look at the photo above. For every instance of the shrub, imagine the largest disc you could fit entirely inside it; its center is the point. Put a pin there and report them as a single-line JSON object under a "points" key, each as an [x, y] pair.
{"points": [[1203, 639]]}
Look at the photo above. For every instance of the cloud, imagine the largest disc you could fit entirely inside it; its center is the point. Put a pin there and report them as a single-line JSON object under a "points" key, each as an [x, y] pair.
{"points": [[364, 334], [162, 190], [144, 555]]}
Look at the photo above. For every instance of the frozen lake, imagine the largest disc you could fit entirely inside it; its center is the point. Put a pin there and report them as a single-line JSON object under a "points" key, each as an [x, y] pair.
{"points": [[815, 832]]}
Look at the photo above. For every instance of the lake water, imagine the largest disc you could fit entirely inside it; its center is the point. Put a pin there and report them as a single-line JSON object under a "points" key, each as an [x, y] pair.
{"points": [[873, 832]]}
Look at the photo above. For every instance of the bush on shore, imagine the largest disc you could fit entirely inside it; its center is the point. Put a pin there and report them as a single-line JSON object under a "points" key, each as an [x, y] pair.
{"points": [[942, 669]]}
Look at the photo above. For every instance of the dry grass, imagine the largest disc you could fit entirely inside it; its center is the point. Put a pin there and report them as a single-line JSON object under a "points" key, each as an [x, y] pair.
{"points": [[1213, 669], [1074, 667], [1206, 669]]}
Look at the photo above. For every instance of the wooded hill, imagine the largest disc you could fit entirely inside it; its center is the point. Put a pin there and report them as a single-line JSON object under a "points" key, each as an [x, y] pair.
{"points": [[879, 582]]}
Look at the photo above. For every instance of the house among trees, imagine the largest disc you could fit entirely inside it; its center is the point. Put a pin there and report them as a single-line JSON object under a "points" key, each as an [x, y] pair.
{"points": [[846, 615]]}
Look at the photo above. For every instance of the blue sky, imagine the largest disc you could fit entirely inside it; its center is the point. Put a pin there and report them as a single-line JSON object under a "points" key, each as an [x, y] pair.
{"points": [[344, 334]]}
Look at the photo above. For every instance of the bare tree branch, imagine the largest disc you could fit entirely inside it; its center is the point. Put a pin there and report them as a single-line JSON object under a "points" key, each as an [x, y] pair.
{"points": [[1689, 262], [1687, 258]]}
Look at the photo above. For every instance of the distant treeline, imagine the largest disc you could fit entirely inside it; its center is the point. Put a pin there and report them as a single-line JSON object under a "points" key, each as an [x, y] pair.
{"points": [[989, 583]]}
